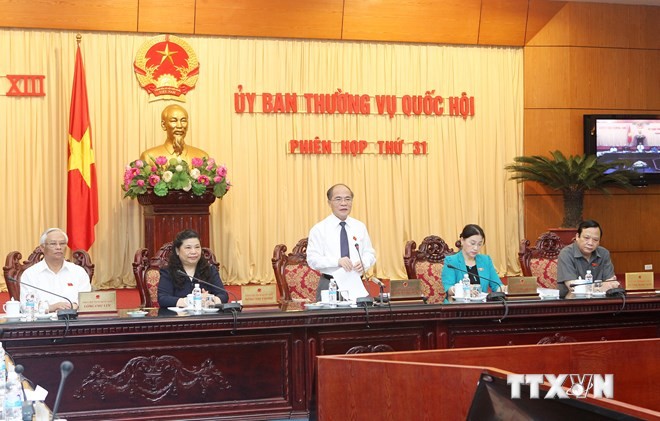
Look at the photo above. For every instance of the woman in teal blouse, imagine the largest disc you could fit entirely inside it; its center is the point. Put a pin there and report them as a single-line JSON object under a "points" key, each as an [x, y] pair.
{"points": [[478, 266]]}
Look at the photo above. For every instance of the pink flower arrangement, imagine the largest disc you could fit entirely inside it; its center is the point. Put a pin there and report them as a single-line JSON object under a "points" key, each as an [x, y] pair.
{"points": [[175, 174]]}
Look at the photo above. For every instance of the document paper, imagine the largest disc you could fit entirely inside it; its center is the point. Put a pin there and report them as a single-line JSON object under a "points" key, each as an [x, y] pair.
{"points": [[351, 282]]}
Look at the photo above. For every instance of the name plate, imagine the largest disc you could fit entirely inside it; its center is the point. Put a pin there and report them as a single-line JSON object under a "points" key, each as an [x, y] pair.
{"points": [[97, 302], [639, 280], [259, 295]]}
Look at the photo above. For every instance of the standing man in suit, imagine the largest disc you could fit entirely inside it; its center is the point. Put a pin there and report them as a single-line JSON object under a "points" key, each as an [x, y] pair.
{"points": [[333, 242]]}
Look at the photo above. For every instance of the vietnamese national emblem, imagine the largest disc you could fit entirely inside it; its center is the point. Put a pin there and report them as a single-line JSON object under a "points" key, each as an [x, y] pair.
{"points": [[166, 67]]}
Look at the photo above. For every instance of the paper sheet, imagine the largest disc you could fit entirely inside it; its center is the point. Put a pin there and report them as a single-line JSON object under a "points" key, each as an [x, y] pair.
{"points": [[351, 282]]}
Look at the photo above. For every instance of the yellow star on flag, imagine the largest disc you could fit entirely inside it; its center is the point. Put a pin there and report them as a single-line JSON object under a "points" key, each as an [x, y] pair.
{"points": [[81, 156]]}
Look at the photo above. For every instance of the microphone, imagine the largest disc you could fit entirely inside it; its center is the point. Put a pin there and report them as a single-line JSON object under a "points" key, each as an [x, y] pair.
{"points": [[363, 301], [62, 314], [65, 369], [377, 282], [27, 408], [381, 285], [235, 306], [493, 296]]}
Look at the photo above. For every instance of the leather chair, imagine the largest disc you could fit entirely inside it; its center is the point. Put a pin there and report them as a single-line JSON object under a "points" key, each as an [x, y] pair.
{"points": [[426, 264], [147, 271], [14, 268], [541, 259], [295, 280]]}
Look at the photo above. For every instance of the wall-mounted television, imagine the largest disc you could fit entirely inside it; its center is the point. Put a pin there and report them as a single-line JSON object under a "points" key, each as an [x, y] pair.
{"points": [[633, 140]]}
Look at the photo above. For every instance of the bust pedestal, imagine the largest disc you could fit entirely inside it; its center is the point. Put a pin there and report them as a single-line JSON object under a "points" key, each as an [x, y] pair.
{"points": [[166, 216]]}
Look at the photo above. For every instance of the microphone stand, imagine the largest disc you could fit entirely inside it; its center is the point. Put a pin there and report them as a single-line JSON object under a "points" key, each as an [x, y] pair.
{"points": [[62, 314], [27, 408], [363, 301], [226, 307], [233, 308], [65, 368], [493, 296]]}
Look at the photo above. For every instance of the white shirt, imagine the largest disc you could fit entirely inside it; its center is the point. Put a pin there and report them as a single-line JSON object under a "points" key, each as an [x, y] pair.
{"points": [[323, 249], [69, 281]]}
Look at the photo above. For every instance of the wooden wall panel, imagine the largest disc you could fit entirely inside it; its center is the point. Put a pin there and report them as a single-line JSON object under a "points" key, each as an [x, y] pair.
{"points": [[548, 130], [167, 17], [547, 23], [614, 25], [541, 213], [628, 218], [625, 78], [449, 21], [84, 15], [547, 77], [503, 22], [267, 18], [634, 261]]}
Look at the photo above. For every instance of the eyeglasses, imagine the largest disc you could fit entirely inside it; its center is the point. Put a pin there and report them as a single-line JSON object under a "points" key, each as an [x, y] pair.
{"points": [[342, 199], [55, 245]]}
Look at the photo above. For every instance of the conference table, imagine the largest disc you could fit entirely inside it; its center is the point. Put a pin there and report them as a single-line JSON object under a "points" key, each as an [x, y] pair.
{"points": [[260, 364]]}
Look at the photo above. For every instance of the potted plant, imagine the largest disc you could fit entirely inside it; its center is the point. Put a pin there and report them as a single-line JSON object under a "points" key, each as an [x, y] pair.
{"points": [[573, 176]]}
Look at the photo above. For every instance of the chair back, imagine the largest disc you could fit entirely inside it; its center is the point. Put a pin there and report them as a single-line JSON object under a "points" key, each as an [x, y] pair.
{"points": [[426, 264], [14, 267], [295, 279], [541, 259], [147, 271]]}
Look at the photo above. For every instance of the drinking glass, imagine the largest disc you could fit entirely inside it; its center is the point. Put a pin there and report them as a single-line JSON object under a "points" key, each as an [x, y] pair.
{"points": [[43, 307]]}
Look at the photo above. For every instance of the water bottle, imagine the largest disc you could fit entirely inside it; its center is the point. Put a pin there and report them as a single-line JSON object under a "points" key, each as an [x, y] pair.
{"points": [[13, 398], [30, 306], [466, 287], [197, 299], [332, 291], [589, 279], [3, 380]]}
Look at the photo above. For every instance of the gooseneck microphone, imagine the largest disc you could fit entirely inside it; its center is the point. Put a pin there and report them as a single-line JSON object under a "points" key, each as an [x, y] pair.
{"points": [[362, 301], [65, 369], [381, 285], [235, 306], [27, 408], [62, 314], [494, 295]]}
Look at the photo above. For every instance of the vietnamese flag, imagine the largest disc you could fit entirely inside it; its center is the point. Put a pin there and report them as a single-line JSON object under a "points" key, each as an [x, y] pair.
{"points": [[82, 197]]}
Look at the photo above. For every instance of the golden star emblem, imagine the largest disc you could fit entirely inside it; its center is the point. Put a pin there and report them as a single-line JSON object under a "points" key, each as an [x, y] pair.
{"points": [[81, 156], [167, 54]]}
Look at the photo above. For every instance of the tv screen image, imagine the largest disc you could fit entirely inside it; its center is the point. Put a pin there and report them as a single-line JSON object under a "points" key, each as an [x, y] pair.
{"points": [[633, 141]]}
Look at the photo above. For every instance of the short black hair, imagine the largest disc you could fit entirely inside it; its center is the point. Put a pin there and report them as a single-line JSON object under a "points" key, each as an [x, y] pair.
{"points": [[184, 235], [472, 229], [589, 223]]}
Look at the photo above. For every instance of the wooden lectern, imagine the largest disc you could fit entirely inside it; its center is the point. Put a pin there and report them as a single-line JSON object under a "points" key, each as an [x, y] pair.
{"points": [[165, 216]]}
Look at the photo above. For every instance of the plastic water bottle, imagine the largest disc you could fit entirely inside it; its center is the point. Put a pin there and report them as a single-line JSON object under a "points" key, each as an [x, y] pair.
{"points": [[13, 398], [197, 299], [466, 287], [332, 291], [589, 279], [30, 306], [3, 381]]}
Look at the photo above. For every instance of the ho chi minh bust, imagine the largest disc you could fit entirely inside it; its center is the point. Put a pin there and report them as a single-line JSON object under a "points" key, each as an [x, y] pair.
{"points": [[174, 120]]}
